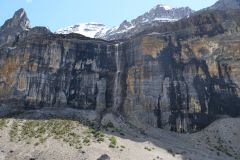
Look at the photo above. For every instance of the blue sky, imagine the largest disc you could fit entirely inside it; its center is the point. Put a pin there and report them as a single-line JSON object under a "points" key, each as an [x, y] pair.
{"points": [[61, 13]]}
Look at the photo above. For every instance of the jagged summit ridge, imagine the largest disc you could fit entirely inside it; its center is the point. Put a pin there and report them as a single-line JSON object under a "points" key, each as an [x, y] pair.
{"points": [[159, 14]]}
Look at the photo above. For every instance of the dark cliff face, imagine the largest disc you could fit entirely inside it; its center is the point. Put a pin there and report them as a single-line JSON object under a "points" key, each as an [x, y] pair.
{"points": [[179, 76], [56, 70]]}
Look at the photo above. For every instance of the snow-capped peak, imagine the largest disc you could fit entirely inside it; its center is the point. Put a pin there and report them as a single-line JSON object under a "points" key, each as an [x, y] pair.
{"points": [[86, 29], [159, 14]]}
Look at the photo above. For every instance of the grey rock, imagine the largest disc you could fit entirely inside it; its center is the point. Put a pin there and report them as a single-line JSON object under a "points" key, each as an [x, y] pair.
{"points": [[12, 27], [104, 157], [225, 5]]}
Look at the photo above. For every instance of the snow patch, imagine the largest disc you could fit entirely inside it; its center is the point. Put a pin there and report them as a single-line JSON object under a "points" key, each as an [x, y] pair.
{"points": [[166, 7], [86, 29], [165, 19]]}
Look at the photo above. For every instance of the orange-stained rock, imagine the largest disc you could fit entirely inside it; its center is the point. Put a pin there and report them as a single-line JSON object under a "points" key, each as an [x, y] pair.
{"points": [[152, 46]]}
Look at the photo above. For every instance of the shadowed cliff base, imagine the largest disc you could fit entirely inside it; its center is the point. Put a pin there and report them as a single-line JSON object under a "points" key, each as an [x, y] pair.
{"points": [[79, 131]]}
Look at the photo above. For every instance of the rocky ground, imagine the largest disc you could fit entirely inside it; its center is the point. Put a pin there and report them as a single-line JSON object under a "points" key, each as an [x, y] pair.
{"points": [[49, 134]]}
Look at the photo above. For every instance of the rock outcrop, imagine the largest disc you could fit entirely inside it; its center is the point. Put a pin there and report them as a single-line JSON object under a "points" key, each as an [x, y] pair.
{"points": [[14, 26], [179, 76], [104, 157], [225, 5]]}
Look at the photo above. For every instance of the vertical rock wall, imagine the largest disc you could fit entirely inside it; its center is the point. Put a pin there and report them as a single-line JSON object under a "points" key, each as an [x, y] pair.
{"points": [[58, 71], [181, 85]]}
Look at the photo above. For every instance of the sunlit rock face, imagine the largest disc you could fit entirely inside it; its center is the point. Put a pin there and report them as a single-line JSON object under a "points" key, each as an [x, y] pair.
{"points": [[182, 85], [179, 76], [181, 79]]}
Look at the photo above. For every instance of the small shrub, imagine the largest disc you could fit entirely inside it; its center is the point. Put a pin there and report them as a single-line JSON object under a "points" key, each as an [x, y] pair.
{"points": [[113, 142], [86, 140], [98, 134], [78, 147], [3, 123], [110, 125], [122, 146], [14, 131], [148, 149], [111, 145], [101, 139], [42, 139]]}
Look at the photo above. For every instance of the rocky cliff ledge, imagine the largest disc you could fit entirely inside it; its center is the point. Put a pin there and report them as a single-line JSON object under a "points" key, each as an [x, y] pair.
{"points": [[180, 76]]}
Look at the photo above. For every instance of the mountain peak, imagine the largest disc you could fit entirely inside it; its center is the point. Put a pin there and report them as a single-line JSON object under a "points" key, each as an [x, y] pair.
{"points": [[19, 13], [13, 26], [19, 21]]}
